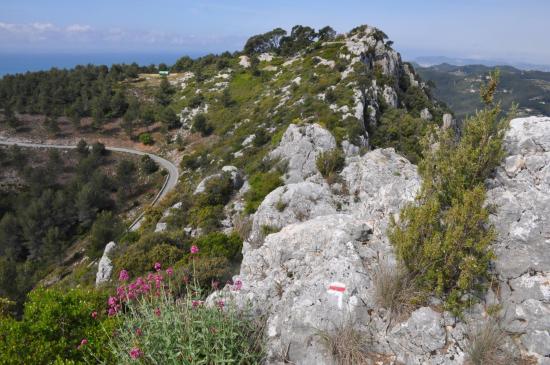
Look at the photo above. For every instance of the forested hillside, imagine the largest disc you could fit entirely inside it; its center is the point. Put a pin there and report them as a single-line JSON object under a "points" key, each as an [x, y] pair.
{"points": [[51, 199], [458, 87]]}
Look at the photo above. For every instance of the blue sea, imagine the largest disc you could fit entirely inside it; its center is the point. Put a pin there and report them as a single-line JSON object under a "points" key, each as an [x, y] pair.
{"points": [[11, 63]]}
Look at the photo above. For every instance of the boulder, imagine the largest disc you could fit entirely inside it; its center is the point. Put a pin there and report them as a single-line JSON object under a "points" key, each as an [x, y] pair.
{"points": [[300, 147], [105, 266]]}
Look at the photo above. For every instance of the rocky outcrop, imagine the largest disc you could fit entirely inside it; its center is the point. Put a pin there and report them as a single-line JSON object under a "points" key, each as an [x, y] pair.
{"points": [[520, 193], [300, 147], [235, 174], [314, 269], [105, 266]]}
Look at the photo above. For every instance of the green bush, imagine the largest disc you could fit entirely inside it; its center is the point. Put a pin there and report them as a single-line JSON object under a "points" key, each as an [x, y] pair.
{"points": [[217, 244], [152, 247], [146, 139], [261, 184], [330, 162], [53, 324], [444, 238], [217, 191], [148, 165], [201, 125], [208, 217], [207, 270], [400, 130]]}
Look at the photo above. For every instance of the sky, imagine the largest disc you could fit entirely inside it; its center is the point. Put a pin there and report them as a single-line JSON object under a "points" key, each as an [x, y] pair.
{"points": [[485, 29]]}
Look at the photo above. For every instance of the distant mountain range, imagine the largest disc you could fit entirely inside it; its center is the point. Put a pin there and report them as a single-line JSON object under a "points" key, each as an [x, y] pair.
{"points": [[458, 86], [428, 61]]}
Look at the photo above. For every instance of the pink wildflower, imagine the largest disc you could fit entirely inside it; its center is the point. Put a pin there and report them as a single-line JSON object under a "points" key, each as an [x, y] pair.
{"points": [[136, 353], [157, 266], [169, 271], [194, 249], [138, 331], [157, 312], [220, 304], [123, 276], [112, 301], [83, 343], [94, 314], [238, 285], [196, 303]]}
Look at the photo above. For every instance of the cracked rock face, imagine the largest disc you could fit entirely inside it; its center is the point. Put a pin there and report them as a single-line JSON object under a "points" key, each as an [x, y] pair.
{"points": [[521, 195], [300, 147], [336, 235]]}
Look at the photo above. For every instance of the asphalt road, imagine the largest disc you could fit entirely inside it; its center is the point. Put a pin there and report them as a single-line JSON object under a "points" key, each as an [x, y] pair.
{"points": [[169, 184]]}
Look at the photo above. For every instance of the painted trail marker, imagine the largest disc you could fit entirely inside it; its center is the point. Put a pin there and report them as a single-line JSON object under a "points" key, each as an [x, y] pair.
{"points": [[337, 289]]}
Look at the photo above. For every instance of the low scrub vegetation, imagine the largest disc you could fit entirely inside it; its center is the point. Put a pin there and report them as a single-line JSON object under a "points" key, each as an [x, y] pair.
{"points": [[261, 184], [330, 162], [347, 345], [485, 345], [394, 289]]}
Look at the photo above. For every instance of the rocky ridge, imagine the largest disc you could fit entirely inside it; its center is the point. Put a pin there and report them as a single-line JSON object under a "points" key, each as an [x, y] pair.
{"points": [[335, 235]]}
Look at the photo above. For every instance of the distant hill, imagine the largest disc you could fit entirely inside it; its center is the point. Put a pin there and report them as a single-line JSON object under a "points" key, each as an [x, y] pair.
{"points": [[427, 61], [458, 87]]}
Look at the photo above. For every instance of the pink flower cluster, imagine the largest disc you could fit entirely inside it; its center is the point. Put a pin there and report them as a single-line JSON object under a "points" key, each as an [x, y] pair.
{"points": [[136, 353], [151, 284]]}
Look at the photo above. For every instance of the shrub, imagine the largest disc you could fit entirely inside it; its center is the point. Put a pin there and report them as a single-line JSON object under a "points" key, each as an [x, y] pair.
{"points": [[217, 191], [208, 270], [217, 244], [401, 131], [158, 327], [148, 165], [207, 218], [150, 248], [146, 139], [261, 184], [444, 238], [201, 125], [330, 162], [53, 325]]}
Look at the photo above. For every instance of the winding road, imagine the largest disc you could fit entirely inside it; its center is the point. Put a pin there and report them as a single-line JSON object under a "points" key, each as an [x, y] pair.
{"points": [[169, 183]]}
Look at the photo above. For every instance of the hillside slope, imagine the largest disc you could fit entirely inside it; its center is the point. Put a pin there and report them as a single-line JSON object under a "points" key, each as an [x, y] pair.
{"points": [[458, 87]]}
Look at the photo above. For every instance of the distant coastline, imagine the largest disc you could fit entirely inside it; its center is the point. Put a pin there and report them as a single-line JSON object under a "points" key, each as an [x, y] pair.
{"points": [[11, 63]]}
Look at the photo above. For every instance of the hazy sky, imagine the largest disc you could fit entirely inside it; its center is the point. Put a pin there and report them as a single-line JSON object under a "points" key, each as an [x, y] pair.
{"points": [[504, 29]]}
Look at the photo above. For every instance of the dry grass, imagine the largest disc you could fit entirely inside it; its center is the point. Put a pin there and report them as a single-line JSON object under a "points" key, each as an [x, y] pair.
{"points": [[394, 289], [347, 345], [485, 345], [243, 226]]}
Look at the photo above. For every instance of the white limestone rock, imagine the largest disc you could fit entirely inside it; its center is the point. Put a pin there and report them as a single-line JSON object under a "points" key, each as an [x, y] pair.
{"points": [[300, 147], [105, 267], [521, 194]]}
